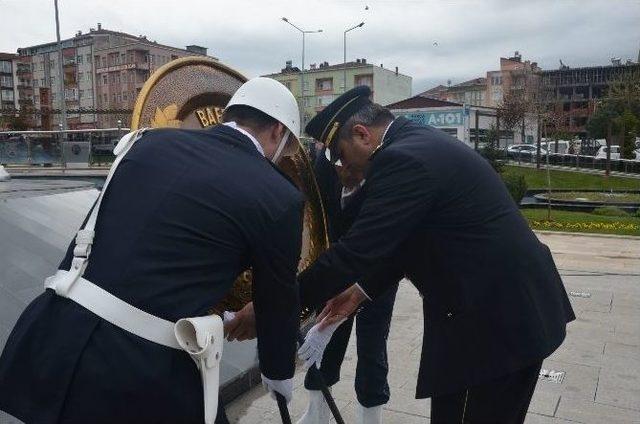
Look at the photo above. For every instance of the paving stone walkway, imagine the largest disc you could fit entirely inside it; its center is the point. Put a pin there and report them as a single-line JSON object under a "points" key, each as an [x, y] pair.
{"points": [[600, 357]]}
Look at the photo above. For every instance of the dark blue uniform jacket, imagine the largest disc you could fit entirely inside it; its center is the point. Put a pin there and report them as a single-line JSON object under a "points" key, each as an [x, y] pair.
{"points": [[493, 299], [185, 213]]}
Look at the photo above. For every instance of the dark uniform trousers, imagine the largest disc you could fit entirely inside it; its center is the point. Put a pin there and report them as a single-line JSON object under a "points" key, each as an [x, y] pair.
{"points": [[504, 400], [372, 323], [494, 303]]}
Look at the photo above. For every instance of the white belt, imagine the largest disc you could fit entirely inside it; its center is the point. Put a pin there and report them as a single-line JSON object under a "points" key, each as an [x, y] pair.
{"points": [[200, 337]]}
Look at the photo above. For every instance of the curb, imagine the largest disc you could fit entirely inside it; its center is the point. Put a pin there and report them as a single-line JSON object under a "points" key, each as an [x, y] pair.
{"points": [[567, 233]]}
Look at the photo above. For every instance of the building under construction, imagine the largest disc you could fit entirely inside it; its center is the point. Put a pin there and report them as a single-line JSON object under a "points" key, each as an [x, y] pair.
{"points": [[573, 92]]}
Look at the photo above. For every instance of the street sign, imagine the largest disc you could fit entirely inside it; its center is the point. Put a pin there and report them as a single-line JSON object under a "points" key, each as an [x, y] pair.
{"points": [[438, 118]]}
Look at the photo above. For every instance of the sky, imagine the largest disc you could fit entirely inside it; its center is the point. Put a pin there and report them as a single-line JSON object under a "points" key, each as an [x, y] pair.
{"points": [[432, 41]]}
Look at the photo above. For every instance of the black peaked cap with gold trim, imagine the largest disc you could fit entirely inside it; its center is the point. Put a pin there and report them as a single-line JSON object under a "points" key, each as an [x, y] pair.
{"points": [[325, 125]]}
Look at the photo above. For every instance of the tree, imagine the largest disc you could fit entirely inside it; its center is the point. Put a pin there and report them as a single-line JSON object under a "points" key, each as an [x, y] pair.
{"points": [[618, 114], [15, 120], [555, 126], [512, 111], [628, 125], [490, 151]]}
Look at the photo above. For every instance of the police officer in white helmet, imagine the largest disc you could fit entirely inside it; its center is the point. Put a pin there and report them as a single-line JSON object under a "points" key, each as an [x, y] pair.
{"points": [[182, 216]]}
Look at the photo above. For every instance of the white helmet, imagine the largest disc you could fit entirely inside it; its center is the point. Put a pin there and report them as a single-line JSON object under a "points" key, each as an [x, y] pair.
{"points": [[270, 97]]}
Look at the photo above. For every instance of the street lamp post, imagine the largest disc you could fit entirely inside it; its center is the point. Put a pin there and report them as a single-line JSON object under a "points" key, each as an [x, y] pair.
{"points": [[304, 32], [344, 79], [63, 104]]}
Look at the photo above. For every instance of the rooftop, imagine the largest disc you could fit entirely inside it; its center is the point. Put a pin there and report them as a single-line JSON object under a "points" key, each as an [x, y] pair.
{"points": [[633, 67], [5, 56], [324, 66], [101, 31], [470, 83], [420, 101]]}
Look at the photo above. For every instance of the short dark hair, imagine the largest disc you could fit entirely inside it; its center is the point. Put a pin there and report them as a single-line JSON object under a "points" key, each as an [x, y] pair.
{"points": [[248, 116], [370, 115]]}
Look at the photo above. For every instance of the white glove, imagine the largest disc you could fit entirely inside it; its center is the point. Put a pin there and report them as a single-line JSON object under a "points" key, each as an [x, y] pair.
{"points": [[315, 342], [284, 387]]}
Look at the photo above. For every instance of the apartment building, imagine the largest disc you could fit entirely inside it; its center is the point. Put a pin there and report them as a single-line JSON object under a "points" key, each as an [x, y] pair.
{"points": [[573, 93], [7, 89], [103, 72], [515, 76], [324, 82]]}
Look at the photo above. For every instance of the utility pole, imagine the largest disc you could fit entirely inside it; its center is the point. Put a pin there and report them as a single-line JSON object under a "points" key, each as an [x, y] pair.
{"points": [[63, 104], [302, 98], [344, 78]]}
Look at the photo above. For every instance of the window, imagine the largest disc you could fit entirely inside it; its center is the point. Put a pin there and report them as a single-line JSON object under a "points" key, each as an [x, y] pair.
{"points": [[123, 58], [7, 95], [124, 95], [80, 76], [118, 97], [53, 96], [113, 97], [364, 80], [324, 100], [324, 84], [104, 79], [5, 66], [42, 84], [307, 102], [80, 94], [6, 81], [88, 58], [79, 59], [53, 80], [104, 98]]}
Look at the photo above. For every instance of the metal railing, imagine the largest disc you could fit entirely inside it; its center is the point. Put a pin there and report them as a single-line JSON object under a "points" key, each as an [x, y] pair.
{"points": [[71, 148], [577, 161]]}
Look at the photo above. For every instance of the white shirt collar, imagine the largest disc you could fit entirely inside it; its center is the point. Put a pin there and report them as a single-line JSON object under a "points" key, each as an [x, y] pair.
{"points": [[235, 126]]}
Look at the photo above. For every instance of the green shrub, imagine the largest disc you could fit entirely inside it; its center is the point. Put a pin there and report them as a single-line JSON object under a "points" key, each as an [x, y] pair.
{"points": [[609, 211], [517, 186], [637, 214]]}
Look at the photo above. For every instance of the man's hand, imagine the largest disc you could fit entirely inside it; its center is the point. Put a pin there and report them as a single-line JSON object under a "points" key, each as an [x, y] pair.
{"points": [[316, 341], [341, 307], [242, 326], [284, 387]]}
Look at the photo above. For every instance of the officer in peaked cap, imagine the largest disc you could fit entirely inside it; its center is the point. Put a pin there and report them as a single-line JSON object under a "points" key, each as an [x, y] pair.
{"points": [[494, 303]]}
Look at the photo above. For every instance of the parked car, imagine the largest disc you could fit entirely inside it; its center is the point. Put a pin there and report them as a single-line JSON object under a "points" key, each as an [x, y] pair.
{"points": [[563, 146], [524, 151], [602, 152]]}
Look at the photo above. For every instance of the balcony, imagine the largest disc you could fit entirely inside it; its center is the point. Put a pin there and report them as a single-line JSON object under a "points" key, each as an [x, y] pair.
{"points": [[23, 68], [144, 66]]}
